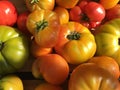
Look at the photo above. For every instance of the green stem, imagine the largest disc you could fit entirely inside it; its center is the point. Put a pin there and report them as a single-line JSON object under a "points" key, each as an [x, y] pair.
{"points": [[74, 36], [41, 25], [34, 1], [1, 46]]}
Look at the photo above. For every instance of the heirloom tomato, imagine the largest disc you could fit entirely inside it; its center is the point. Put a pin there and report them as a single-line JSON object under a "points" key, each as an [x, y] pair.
{"points": [[89, 76], [75, 43], [63, 14], [52, 68], [107, 38], [67, 4], [40, 4], [8, 13], [11, 82], [14, 49], [44, 25], [107, 63]]}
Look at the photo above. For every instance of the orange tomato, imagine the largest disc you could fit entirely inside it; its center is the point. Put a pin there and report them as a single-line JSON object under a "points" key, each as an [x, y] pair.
{"points": [[63, 14], [52, 68], [107, 63], [67, 3], [37, 51]]}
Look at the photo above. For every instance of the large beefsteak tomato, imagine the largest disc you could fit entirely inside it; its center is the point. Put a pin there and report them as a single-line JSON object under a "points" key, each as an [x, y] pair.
{"points": [[14, 50], [75, 43], [108, 39]]}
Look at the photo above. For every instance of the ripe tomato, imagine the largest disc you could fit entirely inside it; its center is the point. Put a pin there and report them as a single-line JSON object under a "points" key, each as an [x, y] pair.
{"points": [[75, 43], [44, 25], [67, 4], [37, 51], [89, 76], [107, 63], [107, 4], [40, 4], [63, 14], [11, 82], [52, 67], [8, 13]]}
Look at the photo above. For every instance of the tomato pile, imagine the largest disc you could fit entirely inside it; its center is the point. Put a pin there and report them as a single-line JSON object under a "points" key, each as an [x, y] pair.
{"points": [[75, 43]]}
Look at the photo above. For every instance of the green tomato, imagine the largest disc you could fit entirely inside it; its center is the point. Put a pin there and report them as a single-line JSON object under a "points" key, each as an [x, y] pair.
{"points": [[14, 49], [11, 82], [108, 39]]}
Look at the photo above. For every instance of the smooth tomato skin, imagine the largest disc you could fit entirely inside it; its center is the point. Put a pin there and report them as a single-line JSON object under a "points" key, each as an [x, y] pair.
{"points": [[107, 63], [75, 51], [40, 4], [67, 4], [49, 66], [44, 25], [107, 39], [107, 4], [89, 76], [63, 14], [11, 82], [21, 23], [8, 13], [94, 11], [48, 86], [37, 51], [14, 49]]}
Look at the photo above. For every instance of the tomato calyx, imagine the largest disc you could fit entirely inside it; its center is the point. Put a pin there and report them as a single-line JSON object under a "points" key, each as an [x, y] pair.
{"points": [[34, 1], [73, 36], [41, 25]]}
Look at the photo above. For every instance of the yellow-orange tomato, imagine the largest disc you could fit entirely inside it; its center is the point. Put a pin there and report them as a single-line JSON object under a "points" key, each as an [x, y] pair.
{"points": [[107, 63], [48, 86], [67, 4], [37, 51], [107, 4], [63, 14], [52, 67]]}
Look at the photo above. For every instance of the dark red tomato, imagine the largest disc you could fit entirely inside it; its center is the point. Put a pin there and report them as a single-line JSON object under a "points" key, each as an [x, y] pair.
{"points": [[21, 22], [8, 13]]}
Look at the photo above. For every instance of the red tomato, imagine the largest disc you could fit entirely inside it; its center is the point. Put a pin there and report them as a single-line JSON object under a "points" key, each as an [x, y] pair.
{"points": [[8, 13], [21, 22]]}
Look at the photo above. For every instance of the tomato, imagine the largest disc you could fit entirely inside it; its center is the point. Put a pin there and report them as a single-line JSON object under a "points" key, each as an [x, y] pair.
{"points": [[11, 82], [8, 13], [89, 76], [48, 86], [75, 43], [52, 68], [107, 63], [107, 38], [21, 23], [63, 14], [40, 4], [107, 4], [67, 4], [14, 49], [44, 25], [37, 51]]}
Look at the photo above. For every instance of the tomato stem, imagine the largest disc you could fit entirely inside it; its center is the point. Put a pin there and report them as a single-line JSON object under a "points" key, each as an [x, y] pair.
{"points": [[41, 25], [74, 36], [34, 1], [1, 45], [119, 41]]}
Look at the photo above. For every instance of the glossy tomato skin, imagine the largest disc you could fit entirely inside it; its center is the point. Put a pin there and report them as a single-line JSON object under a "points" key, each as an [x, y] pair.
{"points": [[107, 38], [44, 25], [89, 76], [8, 13], [40, 4], [75, 43], [14, 49], [11, 82]]}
